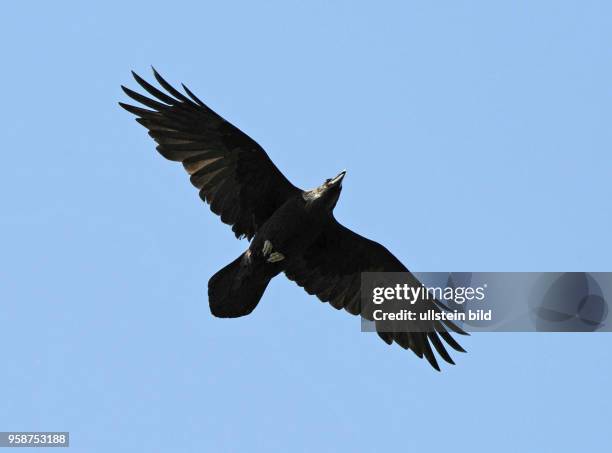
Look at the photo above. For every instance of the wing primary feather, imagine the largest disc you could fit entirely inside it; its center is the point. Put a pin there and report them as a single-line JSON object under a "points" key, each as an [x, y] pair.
{"points": [[139, 111], [452, 326], [451, 341], [417, 344], [435, 340], [403, 339], [386, 337], [144, 100], [157, 122], [169, 88], [429, 355], [153, 91], [193, 96]]}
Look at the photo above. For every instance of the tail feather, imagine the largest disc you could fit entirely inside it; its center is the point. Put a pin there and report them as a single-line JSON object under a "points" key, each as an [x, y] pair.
{"points": [[236, 289]]}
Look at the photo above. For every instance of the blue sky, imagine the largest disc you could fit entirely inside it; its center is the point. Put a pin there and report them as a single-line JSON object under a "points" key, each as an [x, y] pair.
{"points": [[476, 136]]}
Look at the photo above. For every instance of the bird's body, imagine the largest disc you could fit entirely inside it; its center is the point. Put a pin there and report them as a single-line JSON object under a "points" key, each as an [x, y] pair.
{"points": [[291, 228], [277, 246], [291, 231]]}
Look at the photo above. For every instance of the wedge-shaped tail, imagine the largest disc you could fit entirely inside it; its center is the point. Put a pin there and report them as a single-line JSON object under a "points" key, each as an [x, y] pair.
{"points": [[236, 289]]}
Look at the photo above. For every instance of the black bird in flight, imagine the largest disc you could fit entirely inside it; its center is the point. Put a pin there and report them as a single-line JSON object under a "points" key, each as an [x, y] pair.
{"points": [[290, 230]]}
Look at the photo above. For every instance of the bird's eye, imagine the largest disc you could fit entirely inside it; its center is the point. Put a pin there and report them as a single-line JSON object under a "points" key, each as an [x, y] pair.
{"points": [[327, 181]]}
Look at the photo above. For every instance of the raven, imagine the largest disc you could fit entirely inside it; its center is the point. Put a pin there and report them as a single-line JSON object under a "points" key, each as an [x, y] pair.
{"points": [[290, 230]]}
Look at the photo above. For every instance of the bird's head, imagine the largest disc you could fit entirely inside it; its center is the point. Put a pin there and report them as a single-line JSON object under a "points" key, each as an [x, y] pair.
{"points": [[327, 194]]}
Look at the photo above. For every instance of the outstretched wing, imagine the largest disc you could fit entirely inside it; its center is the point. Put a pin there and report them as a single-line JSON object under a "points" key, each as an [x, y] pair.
{"points": [[232, 172], [331, 269]]}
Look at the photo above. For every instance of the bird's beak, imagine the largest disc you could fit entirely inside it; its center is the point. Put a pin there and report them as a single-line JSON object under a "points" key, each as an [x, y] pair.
{"points": [[338, 179]]}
